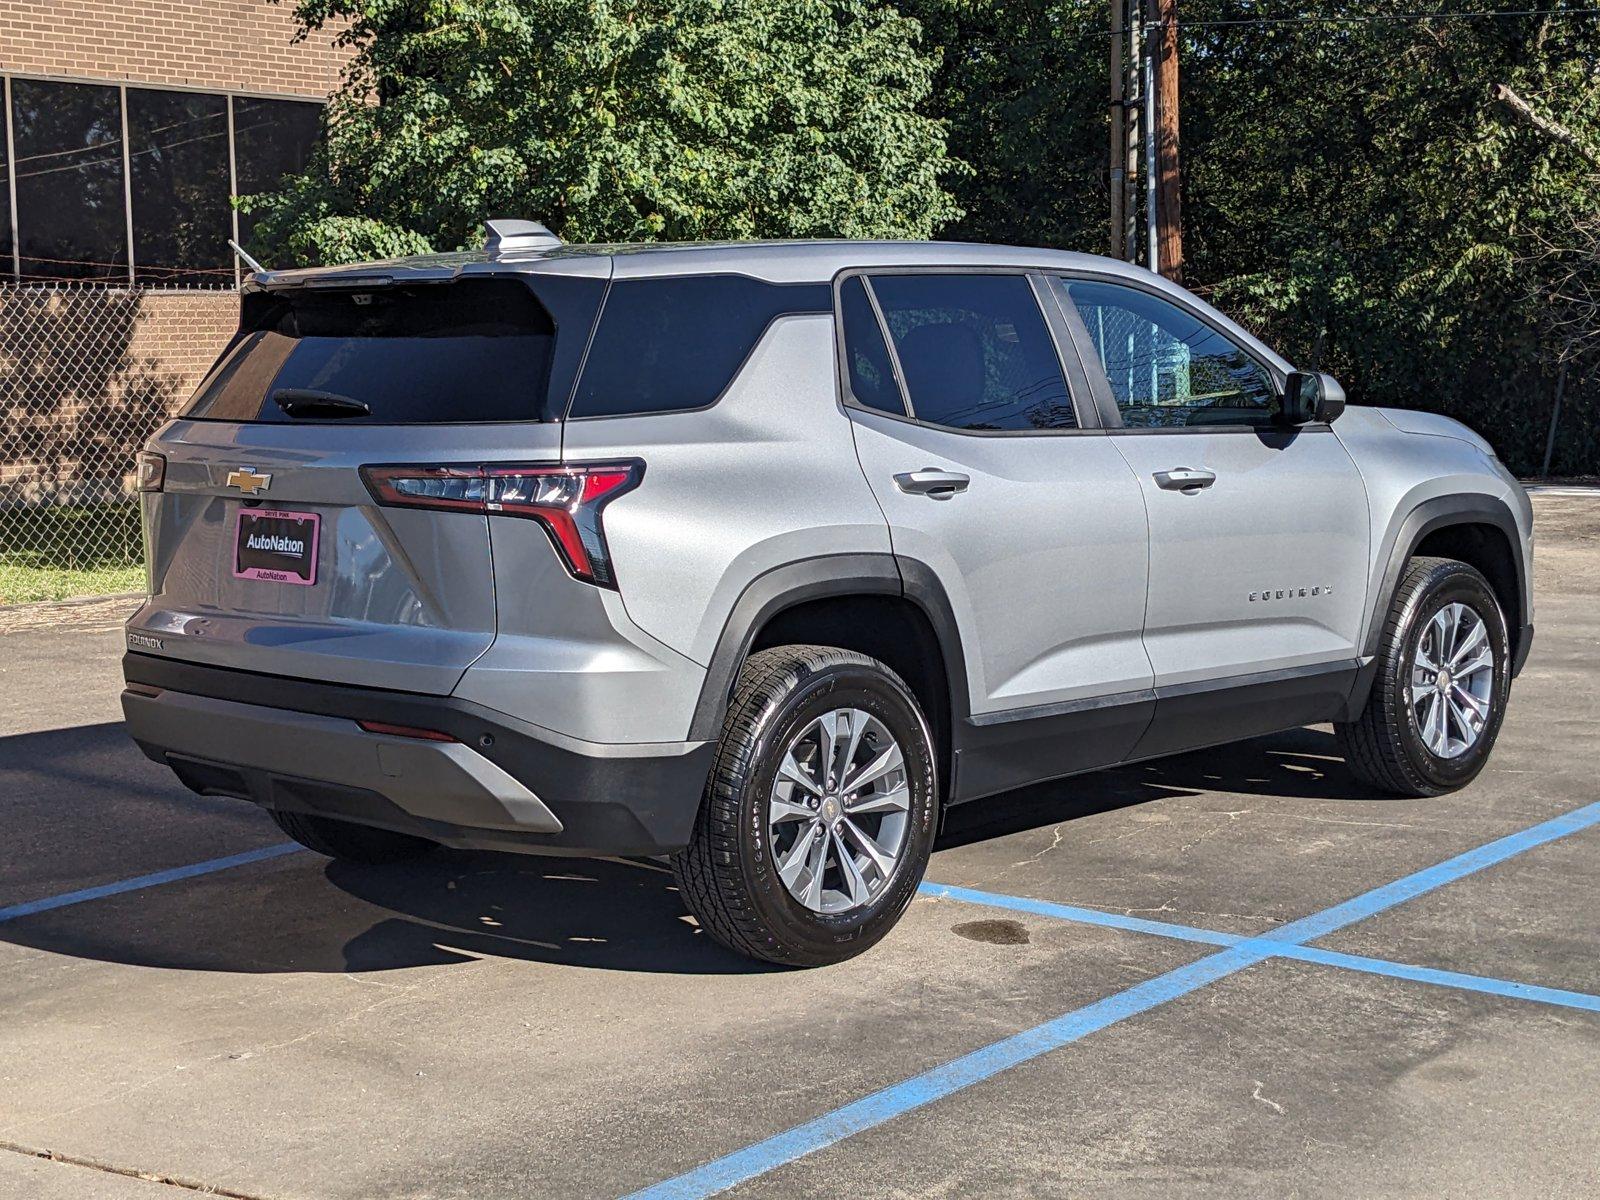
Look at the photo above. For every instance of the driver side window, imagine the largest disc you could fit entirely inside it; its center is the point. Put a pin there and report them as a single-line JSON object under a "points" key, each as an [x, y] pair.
{"points": [[1166, 366]]}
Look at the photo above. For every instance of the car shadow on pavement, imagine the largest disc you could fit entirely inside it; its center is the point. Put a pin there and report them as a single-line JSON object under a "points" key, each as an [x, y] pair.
{"points": [[1300, 764], [82, 807]]}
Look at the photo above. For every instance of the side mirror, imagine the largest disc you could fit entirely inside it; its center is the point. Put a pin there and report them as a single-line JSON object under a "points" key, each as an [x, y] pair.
{"points": [[1311, 397]]}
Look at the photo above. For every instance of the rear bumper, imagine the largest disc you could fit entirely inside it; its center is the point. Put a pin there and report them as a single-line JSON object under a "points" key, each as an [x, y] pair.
{"points": [[503, 784]]}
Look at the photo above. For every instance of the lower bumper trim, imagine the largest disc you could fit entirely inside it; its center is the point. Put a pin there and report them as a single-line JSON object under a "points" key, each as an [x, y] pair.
{"points": [[502, 785]]}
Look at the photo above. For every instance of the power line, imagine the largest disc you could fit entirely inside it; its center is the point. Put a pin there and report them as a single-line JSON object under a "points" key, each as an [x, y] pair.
{"points": [[1372, 18]]}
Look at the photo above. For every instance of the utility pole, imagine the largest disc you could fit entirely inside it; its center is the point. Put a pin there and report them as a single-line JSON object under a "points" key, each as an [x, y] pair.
{"points": [[1147, 61], [1167, 223], [1131, 94], [1119, 173]]}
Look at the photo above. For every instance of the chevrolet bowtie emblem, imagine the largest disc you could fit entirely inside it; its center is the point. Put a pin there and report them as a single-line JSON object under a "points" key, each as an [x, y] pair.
{"points": [[247, 481]]}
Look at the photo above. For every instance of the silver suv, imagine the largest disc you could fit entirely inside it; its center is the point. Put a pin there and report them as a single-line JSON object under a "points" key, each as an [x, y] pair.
{"points": [[761, 556]]}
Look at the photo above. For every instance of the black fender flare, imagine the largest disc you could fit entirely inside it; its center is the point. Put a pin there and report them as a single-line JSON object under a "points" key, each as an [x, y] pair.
{"points": [[1401, 540], [784, 587]]}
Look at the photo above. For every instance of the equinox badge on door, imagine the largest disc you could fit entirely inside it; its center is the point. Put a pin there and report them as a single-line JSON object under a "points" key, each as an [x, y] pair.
{"points": [[247, 481]]}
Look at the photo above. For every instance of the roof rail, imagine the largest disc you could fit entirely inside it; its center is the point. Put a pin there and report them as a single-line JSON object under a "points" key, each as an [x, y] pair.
{"points": [[508, 234]]}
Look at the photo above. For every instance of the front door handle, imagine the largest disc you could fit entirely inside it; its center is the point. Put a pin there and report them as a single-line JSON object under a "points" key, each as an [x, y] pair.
{"points": [[1185, 479], [931, 481]]}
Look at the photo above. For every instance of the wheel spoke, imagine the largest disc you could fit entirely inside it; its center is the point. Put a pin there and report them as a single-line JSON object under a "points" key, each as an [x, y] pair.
{"points": [[818, 867], [1433, 725], [1442, 630], [888, 759], [858, 726], [853, 879], [779, 810], [1469, 646], [1424, 659], [1464, 723], [1481, 661], [789, 769], [1479, 708], [828, 748], [795, 861], [883, 862], [896, 799]]}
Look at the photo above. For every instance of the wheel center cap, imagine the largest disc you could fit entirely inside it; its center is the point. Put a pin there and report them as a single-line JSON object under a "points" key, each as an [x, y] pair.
{"points": [[1442, 682], [830, 810]]}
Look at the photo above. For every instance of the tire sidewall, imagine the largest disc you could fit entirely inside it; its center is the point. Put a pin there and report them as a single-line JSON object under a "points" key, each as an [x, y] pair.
{"points": [[1456, 584], [809, 695]]}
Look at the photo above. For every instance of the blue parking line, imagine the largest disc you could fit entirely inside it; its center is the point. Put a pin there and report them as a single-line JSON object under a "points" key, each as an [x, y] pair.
{"points": [[978, 1065], [953, 1076], [1486, 984], [1311, 954], [145, 881]]}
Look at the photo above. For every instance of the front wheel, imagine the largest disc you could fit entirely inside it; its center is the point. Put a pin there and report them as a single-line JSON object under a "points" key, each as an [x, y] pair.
{"points": [[820, 812], [1443, 674]]}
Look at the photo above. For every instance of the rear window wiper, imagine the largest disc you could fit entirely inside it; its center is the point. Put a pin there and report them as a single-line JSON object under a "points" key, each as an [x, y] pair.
{"points": [[308, 402]]}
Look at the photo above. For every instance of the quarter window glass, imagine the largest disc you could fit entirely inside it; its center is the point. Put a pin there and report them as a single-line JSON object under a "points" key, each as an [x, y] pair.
{"points": [[872, 380], [669, 344], [1166, 366], [975, 351]]}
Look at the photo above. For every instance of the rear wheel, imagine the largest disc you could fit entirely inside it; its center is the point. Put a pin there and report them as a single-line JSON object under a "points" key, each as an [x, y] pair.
{"points": [[349, 842], [820, 812], [1443, 673]]}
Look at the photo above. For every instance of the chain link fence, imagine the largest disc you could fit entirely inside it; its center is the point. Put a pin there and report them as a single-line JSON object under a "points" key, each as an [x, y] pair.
{"points": [[87, 373]]}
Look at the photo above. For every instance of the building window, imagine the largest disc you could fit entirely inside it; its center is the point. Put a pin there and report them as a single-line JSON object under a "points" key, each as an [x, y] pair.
{"points": [[178, 184], [71, 223], [271, 139], [156, 210]]}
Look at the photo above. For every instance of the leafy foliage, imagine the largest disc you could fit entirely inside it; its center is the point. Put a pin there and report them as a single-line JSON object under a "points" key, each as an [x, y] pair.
{"points": [[1358, 190], [618, 120], [1353, 190]]}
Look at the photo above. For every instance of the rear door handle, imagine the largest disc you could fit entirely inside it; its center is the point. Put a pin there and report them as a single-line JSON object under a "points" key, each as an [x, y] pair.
{"points": [[931, 481], [1185, 479]]}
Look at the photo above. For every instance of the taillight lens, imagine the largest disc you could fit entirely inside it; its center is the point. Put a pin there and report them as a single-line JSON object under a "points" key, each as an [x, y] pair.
{"points": [[150, 471], [567, 501]]}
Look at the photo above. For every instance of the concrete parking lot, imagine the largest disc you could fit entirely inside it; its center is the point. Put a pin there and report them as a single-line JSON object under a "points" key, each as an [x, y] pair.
{"points": [[1230, 972]]}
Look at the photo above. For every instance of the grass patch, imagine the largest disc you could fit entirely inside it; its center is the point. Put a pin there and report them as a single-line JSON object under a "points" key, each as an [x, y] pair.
{"points": [[61, 551]]}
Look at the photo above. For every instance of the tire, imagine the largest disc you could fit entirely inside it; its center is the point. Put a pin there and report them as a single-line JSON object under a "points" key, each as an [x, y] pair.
{"points": [[729, 875], [350, 842], [1387, 746]]}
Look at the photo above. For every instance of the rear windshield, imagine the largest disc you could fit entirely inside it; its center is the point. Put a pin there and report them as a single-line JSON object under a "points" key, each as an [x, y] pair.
{"points": [[469, 351]]}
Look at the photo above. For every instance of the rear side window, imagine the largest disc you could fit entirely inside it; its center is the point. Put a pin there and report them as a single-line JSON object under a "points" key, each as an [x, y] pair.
{"points": [[872, 381], [469, 351], [975, 351], [675, 343]]}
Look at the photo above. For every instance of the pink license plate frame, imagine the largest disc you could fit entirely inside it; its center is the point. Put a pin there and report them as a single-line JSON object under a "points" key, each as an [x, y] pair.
{"points": [[267, 574]]}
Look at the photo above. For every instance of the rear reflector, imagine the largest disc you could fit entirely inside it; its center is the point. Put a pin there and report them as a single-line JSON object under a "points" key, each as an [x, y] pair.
{"points": [[405, 731], [567, 501]]}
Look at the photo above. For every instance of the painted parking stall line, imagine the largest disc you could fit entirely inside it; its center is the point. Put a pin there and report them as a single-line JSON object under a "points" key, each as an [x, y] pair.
{"points": [[155, 879], [978, 1065], [1310, 954]]}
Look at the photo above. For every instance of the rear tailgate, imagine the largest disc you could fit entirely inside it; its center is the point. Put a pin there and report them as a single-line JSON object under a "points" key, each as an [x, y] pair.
{"points": [[266, 549]]}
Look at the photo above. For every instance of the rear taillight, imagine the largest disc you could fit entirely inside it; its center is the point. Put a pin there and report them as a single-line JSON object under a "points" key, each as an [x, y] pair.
{"points": [[150, 471], [567, 501]]}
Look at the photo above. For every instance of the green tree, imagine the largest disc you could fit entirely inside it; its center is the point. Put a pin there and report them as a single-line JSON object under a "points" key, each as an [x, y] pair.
{"points": [[1358, 187], [617, 120]]}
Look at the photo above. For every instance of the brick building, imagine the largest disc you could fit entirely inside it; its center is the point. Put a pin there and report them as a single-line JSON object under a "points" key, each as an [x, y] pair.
{"points": [[127, 127], [130, 123]]}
